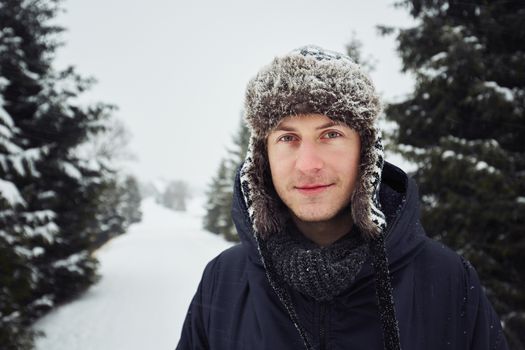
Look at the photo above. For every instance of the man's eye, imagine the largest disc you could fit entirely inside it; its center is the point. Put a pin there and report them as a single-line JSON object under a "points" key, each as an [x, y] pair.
{"points": [[331, 135], [287, 138]]}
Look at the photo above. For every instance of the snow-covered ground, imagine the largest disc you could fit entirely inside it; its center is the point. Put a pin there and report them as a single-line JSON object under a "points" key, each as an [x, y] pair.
{"points": [[149, 276]]}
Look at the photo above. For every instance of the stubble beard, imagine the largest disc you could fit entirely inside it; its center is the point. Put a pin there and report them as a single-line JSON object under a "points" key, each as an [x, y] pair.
{"points": [[312, 215]]}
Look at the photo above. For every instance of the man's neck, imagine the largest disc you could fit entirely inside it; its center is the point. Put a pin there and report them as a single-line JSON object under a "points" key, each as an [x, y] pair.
{"points": [[324, 233]]}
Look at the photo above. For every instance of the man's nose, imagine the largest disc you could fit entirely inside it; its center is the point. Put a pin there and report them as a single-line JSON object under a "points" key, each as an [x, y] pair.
{"points": [[309, 158]]}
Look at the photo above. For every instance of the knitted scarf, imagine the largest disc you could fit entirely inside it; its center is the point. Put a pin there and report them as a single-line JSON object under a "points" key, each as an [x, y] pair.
{"points": [[319, 272]]}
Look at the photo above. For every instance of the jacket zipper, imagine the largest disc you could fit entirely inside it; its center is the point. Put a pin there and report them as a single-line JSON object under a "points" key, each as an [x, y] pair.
{"points": [[322, 326]]}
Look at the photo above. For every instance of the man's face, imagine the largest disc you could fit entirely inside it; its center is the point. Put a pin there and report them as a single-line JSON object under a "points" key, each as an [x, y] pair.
{"points": [[314, 164]]}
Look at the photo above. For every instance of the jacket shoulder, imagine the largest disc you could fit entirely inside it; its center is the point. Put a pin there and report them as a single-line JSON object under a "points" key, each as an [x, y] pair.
{"points": [[449, 275], [461, 282], [439, 256], [447, 272], [231, 258], [230, 264]]}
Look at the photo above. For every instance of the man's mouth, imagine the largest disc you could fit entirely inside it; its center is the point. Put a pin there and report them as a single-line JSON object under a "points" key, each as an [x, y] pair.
{"points": [[312, 188]]}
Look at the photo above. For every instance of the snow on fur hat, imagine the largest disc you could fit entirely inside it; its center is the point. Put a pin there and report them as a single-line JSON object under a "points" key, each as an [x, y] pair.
{"points": [[311, 80]]}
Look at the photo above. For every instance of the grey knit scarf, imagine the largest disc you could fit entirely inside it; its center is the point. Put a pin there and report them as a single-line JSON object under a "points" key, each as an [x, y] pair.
{"points": [[319, 272]]}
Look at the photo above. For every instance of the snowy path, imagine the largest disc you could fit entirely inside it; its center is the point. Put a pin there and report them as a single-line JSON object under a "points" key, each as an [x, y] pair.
{"points": [[148, 278]]}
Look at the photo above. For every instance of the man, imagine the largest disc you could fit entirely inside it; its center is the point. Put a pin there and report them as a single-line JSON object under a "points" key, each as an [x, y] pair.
{"points": [[333, 255]]}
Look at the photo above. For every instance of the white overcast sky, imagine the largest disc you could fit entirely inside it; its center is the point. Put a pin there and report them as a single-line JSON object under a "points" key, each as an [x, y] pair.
{"points": [[177, 70]]}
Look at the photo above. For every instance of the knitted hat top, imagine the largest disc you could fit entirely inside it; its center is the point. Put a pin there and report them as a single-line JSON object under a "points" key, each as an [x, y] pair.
{"points": [[312, 80]]}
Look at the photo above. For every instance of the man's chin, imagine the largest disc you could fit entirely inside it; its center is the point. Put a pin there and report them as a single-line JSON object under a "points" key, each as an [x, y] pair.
{"points": [[317, 216], [313, 218]]}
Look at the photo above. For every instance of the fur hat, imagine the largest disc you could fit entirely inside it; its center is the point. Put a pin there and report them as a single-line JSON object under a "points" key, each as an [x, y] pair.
{"points": [[312, 80]]}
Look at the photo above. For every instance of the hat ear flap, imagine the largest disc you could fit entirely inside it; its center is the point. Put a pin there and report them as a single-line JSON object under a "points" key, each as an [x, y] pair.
{"points": [[366, 208], [267, 211]]}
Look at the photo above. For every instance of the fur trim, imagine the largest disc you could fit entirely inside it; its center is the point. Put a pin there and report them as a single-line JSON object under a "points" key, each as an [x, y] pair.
{"points": [[312, 80]]}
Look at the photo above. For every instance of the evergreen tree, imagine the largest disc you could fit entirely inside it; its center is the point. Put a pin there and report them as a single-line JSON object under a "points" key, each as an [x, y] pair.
{"points": [[15, 272], [118, 207], [117, 195], [353, 50], [175, 196], [131, 201], [237, 154], [463, 127], [218, 208], [50, 193]]}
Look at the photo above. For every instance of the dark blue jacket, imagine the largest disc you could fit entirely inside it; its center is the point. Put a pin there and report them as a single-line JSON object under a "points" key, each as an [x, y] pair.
{"points": [[438, 298]]}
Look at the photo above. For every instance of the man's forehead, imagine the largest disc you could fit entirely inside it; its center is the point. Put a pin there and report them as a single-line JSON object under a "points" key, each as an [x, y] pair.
{"points": [[318, 121]]}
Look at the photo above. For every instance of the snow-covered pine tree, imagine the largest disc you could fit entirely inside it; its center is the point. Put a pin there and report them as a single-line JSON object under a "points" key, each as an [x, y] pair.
{"points": [[237, 153], [49, 193], [175, 195], [116, 192], [15, 269], [353, 50], [23, 223], [131, 201], [463, 126], [118, 207], [218, 208], [220, 188]]}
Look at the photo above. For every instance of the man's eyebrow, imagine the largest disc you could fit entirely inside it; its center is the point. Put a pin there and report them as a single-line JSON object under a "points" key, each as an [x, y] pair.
{"points": [[283, 128], [329, 124]]}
